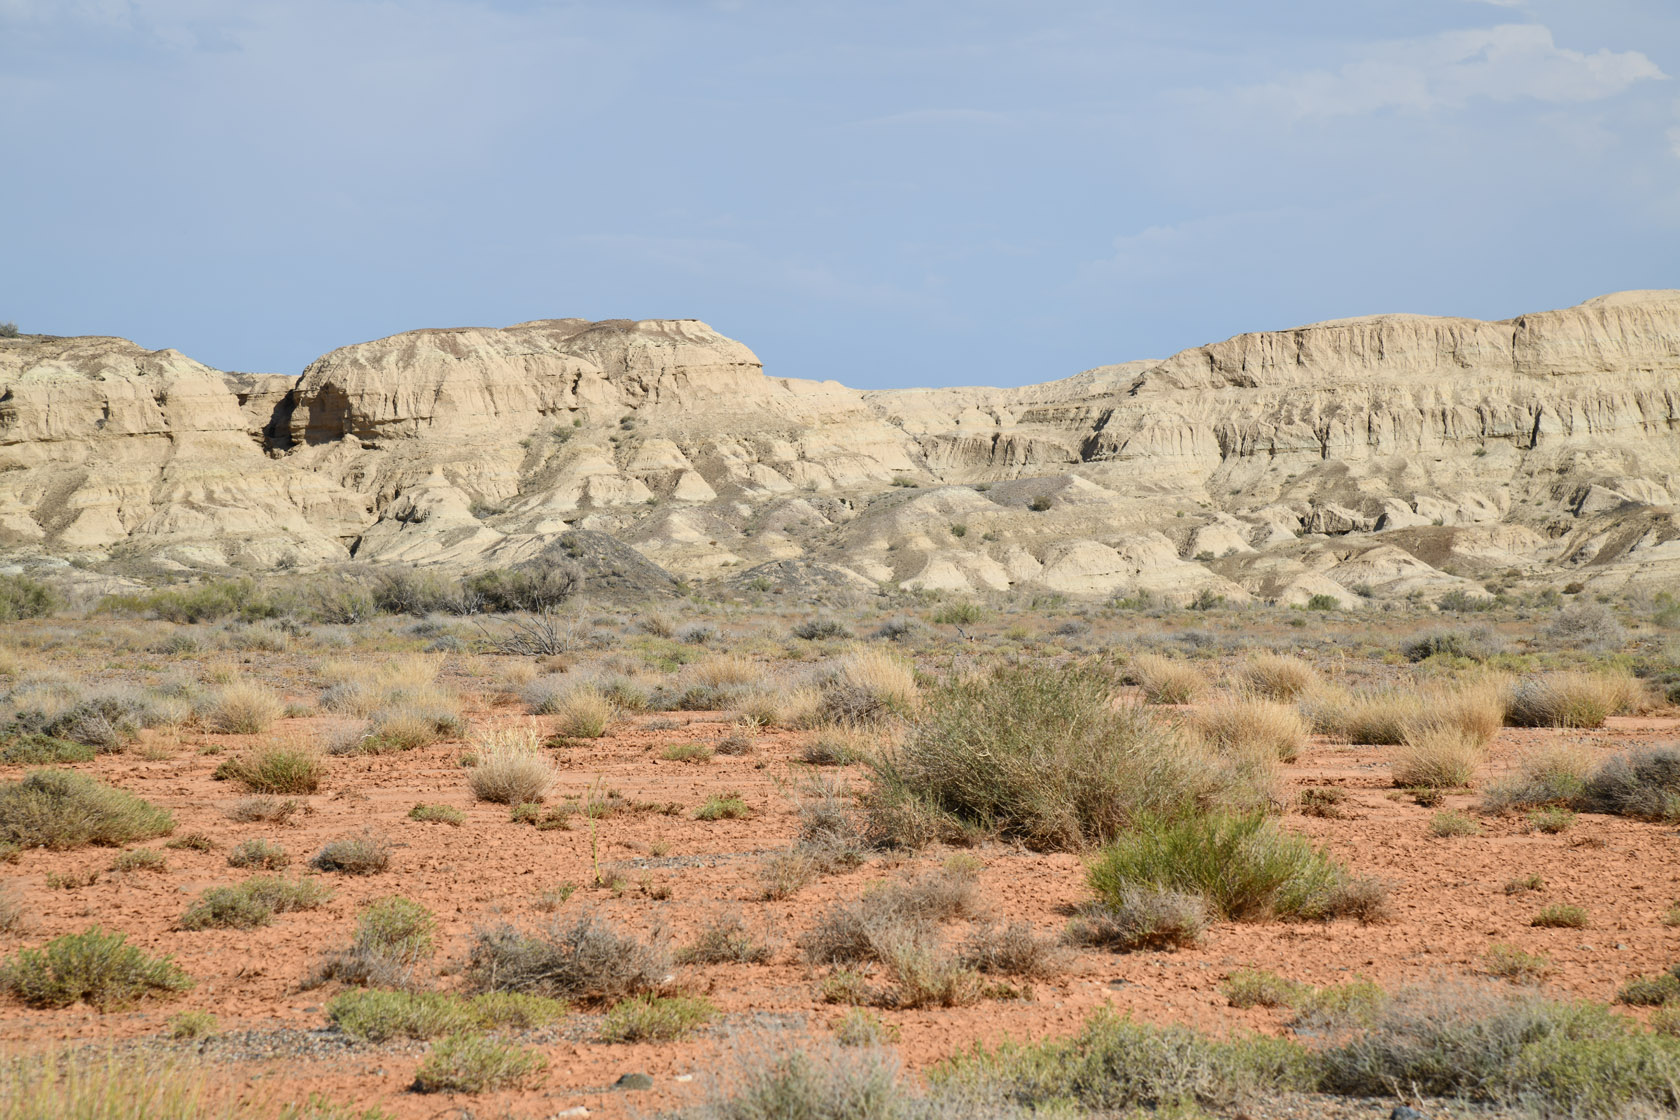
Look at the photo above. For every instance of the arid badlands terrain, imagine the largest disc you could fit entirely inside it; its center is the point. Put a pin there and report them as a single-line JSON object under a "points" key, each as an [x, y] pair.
{"points": [[570, 719]]}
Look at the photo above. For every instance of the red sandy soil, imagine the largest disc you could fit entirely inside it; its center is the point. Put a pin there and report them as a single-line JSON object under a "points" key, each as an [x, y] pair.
{"points": [[1448, 900]]}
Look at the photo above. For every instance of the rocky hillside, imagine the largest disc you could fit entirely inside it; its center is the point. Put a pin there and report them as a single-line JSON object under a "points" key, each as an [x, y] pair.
{"points": [[1362, 458]]}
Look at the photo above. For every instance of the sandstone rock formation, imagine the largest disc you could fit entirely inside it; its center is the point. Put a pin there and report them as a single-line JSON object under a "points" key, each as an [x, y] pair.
{"points": [[1361, 459]]}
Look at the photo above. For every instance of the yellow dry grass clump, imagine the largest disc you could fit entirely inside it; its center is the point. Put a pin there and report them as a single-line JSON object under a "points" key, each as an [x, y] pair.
{"points": [[1440, 757], [511, 768], [1278, 676], [725, 670], [583, 712], [243, 708], [1228, 722], [1166, 681]]}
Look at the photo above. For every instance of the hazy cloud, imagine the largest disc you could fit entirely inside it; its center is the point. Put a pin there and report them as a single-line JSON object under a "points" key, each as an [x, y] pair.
{"points": [[1453, 68]]}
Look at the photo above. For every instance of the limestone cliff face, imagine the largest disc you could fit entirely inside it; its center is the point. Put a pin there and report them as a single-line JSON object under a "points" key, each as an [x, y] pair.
{"points": [[105, 445], [1277, 464]]}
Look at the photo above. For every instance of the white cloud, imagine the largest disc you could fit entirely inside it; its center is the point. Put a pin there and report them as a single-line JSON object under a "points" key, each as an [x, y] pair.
{"points": [[1504, 63]]}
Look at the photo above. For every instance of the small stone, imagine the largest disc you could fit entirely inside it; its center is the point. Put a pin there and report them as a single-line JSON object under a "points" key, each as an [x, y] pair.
{"points": [[684, 1077], [578, 1110], [633, 1081], [1404, 1112]]}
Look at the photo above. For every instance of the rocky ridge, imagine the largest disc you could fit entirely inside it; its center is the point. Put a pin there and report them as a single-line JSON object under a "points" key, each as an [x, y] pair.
{"points": [[1362, 459]]}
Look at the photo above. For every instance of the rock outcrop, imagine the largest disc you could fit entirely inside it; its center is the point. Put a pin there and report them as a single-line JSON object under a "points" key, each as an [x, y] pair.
{"points": [[1363, 458]]}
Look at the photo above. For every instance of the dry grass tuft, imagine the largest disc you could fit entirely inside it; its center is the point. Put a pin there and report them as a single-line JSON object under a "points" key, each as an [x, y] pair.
{"points": [[1278, 676], [243, 708], [1573, 700], [511, 768], [1250, 723], [582, 713], [1441, 757], [869, 685], [1165, 680]]}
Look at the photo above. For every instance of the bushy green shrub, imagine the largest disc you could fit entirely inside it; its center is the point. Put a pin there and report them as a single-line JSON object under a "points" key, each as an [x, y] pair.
{"points": [[274, 769], [1042, 755], [476, 1063], [378, 1016], [1244, 865], [254, 902], [648, 1018], [1116, 1065], [538, 585], [60, 809], [22, 597], [92, 967]]}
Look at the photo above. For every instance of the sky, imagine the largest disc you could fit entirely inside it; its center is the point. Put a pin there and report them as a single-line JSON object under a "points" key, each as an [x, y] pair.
{"points": [[914, 192]]}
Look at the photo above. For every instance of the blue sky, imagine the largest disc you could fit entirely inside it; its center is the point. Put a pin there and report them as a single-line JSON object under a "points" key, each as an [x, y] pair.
{"points": [[922, 192]]}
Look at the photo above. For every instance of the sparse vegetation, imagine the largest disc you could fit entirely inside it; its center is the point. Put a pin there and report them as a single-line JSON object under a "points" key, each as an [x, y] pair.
{"points": [[511, 768]]}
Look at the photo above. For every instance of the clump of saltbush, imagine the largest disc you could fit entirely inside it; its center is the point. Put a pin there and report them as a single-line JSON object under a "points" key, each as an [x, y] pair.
{"points": [[60, 809], [586, 960], [93, 967], [1043, 756], [1244, 865]]}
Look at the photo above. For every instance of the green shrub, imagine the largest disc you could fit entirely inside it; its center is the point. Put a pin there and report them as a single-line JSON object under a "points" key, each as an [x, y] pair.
{"points": [[22, 597], [723, 806], [93, 967], [1651, 991], [538, 585], [274, 770], [818, 1084], [1511, 963], [1451, 822], [1141, 917], [1560, 916], [258, 853], [1505, 1047], [964, 613], [253, 903], [60, 809], [378, 1016], [1115, 1065], [1474, 643], [396, 928], [476, 1063], [1249, 987], [440, 814], [141, 859], [821, 629], [650, 1018], [1041, 755], [1551, 821], [1244, 865], [32, 748]]}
